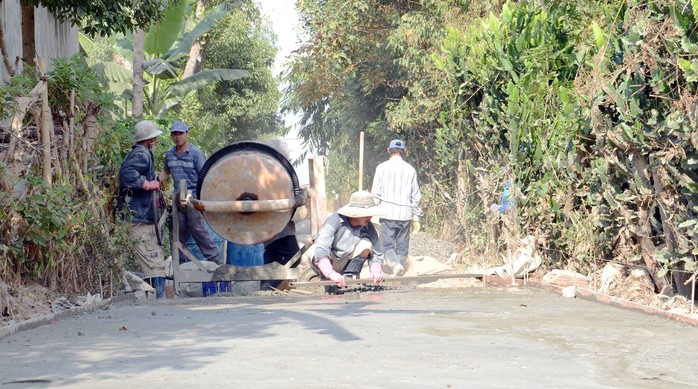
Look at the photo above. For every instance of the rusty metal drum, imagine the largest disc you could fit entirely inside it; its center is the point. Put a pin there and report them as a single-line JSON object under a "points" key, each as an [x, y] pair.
{"points": [[248, 192]]}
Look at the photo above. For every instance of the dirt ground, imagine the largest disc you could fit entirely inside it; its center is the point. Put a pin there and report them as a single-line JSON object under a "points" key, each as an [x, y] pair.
{"points": [[450, 333], [427, 256], [490, 337]]}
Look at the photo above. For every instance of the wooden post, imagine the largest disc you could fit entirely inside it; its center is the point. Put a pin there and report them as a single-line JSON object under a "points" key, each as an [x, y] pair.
{"points": [[361, 160], [174, 238], [318, 209], [46, 123]]}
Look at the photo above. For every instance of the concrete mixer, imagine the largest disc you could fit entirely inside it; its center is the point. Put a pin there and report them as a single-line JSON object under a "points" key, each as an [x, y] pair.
{"points": [[248, 192]]}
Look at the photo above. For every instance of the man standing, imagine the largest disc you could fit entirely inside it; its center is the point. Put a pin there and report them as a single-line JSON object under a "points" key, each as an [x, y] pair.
{"points": [[137, 184], [395, 184], [184, 161]]}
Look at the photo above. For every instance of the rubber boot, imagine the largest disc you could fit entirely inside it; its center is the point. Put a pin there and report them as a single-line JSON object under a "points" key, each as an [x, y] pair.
{"points": [[401, 267], [159, 284], [390, 261], [403, 260], [354, 266]]}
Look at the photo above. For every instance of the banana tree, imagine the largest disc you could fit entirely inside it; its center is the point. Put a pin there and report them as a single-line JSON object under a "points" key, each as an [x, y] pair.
{"points": [[166, 45]]}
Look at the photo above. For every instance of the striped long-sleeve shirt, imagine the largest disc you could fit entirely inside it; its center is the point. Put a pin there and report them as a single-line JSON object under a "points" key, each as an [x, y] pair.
{"points": [[185, 167], [395, 184]]}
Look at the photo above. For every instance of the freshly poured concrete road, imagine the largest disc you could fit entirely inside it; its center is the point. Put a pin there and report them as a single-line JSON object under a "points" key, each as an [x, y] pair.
{"points": [[465, 338]]}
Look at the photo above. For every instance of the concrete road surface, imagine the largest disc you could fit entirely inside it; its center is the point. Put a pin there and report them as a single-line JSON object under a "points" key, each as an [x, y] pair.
{"points": [[399, 338]]}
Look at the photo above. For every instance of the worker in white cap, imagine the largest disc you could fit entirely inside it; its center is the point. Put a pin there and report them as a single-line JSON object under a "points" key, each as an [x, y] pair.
{"points": [[395, 184]]}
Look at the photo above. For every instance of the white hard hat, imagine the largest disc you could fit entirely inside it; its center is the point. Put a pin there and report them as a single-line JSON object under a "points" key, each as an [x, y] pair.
{"points": [[145, 129]]}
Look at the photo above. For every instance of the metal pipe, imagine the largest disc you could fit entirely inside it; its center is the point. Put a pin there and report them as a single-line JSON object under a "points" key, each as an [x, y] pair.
{"points": [[248, 205]]}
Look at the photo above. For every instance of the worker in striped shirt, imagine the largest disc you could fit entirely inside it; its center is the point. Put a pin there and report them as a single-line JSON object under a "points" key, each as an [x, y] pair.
{"points": [[184, 161], [395, 184]]}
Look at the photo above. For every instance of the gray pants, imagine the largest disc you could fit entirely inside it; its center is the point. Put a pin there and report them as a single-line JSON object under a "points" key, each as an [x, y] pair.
{"points": [[395, 235], [192, 222]]}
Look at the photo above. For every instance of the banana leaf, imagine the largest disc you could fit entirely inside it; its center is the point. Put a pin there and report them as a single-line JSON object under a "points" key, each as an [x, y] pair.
{"points": [[206, 24], [204, 78], [163, 34]]}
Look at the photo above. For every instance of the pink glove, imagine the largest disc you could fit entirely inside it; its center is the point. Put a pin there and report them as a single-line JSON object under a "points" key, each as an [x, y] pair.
{"points": [[325, 267], [376, 269], [151, 185]]}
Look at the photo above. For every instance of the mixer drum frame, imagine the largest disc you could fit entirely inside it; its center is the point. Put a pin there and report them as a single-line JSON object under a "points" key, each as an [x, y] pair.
{"points": [[248, 192]]}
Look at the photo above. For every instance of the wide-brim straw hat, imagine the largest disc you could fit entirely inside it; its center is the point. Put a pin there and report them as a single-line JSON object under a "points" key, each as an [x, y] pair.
{"points": [[361, 204]]}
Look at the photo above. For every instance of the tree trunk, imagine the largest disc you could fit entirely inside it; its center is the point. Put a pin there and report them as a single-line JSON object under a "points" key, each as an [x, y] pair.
{"points": [[197, 52], [46, 125], [138, 58], [11, 70], [28, 36]]}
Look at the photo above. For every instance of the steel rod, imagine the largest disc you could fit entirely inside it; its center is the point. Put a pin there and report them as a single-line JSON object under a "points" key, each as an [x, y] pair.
{"points": [[423, 278]]}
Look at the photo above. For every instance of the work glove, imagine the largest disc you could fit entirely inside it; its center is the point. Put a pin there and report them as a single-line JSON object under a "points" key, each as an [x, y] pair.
{"points": [[151, 185], [415, 224], [376, 269], [326, 269]]}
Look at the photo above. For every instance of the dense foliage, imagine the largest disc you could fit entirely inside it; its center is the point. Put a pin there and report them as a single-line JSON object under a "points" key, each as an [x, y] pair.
{"points": [[60, 234], [230, 94], [243, 109], [586, 107]]}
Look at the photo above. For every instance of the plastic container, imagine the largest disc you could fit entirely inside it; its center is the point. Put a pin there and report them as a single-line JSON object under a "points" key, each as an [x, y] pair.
{"points": [[159, 284], [211, 288], [245, 255]]}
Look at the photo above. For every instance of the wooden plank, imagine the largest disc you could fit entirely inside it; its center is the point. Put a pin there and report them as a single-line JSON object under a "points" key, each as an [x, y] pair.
{"points": [[270, 271]]}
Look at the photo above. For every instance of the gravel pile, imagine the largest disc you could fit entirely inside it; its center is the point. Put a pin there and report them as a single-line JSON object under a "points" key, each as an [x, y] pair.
{"points": [[423, 244]]}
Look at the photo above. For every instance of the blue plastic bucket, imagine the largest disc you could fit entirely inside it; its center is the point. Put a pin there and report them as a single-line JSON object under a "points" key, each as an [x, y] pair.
{"points": [[223, 287], [210, 288], [158, 283]]}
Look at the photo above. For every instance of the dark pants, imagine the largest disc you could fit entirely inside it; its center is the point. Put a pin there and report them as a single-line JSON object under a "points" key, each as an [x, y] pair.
{"points": [[281, 250], [192, 222], [395, 234]]}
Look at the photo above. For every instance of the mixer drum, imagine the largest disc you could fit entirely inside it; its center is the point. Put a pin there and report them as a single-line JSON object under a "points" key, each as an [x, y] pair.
{"points": [[247, 171]]}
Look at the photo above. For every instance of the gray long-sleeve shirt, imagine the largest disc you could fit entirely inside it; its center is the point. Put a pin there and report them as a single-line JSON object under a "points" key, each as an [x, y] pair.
{"points": [[338, 238]]}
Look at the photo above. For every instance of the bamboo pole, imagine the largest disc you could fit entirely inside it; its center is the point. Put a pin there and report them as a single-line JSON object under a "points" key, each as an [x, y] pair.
{"points": [[71, 124], [45, 124], [361, 160]]}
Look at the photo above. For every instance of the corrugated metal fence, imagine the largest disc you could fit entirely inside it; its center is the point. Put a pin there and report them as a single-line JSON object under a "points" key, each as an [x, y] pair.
{"points": [[53, 38]]}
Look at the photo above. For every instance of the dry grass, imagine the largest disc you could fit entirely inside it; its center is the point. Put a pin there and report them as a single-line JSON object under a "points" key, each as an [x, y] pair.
{"points": [[20, 303]]}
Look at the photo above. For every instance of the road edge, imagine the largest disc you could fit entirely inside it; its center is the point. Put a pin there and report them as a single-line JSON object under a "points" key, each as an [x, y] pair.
{"points": [[590, 295], [39, 321]]}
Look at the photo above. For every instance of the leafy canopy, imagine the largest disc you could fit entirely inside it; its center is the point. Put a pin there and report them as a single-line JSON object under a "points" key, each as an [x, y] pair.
{"points": [[105, 17]]}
